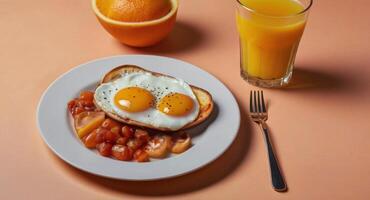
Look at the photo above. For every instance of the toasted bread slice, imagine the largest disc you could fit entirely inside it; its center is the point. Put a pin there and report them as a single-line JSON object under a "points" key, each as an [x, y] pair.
{"points": [[203, 97]]}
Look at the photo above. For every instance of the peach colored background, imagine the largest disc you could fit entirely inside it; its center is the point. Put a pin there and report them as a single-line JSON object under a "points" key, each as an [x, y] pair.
{"points": [[320, 125]]}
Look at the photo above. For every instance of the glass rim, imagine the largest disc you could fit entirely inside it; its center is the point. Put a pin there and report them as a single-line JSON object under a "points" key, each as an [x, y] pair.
{"points": [[272, 16]]}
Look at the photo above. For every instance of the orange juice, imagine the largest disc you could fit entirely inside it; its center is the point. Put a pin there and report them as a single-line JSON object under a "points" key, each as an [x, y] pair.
{"points": [[270, 31]]}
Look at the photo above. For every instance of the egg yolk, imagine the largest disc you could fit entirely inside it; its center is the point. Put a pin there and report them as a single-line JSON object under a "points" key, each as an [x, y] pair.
{"points": [[133, 99], [175, 104]]}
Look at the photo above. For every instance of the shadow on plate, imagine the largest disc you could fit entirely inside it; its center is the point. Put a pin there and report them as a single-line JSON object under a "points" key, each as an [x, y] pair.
{"points": [[206, 176], [183, 37]]}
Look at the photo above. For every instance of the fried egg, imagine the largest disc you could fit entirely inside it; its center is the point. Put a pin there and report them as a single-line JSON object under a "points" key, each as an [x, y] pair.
{"points": [[157, 101]]}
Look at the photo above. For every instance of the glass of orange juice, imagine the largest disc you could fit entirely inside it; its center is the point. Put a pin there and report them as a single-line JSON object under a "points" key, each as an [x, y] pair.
{"points": [[269, 32]]}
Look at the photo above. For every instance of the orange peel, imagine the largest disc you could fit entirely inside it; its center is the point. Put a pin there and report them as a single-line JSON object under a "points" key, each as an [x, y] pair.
{"points": [[138, 34]]}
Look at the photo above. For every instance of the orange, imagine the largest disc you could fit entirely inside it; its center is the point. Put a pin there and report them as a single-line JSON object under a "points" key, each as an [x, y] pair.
{"points": [[134, 10], [137, 23], [86, 122]]}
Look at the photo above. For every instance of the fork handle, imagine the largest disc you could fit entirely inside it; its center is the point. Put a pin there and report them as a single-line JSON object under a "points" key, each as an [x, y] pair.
{"points": [[277, 179]]}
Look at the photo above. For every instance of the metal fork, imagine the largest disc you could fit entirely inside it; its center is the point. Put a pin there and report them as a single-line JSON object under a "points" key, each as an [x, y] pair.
{"points": [[259, 115]]}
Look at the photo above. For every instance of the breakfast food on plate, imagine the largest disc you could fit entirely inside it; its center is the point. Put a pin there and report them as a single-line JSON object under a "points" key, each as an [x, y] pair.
{"points": [[135, 96], [180, 143], [135, 114], [137, 23]]}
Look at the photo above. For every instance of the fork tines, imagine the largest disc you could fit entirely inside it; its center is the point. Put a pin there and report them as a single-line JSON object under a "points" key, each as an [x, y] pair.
{"points": [[257, 102]]}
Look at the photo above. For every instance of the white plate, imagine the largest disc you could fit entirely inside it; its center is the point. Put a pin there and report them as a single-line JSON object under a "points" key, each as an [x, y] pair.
{"points": [[210, 139]]}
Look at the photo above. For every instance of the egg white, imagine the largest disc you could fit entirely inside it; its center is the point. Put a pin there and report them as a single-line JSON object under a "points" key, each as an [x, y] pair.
{"points": [[159, 86]]}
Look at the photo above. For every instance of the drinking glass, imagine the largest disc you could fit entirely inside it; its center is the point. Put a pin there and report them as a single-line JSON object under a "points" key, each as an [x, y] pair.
{"points": [[269, 33]]}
